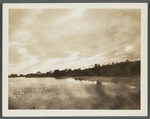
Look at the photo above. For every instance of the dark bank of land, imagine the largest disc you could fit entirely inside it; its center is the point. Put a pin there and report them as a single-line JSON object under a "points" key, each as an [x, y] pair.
{"points": [[122, 69]]}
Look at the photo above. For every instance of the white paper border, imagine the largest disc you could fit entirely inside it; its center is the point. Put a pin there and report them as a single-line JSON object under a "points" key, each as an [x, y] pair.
{"points": [[41, 113]]}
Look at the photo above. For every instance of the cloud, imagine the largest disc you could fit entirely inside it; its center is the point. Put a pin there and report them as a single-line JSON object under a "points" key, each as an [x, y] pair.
{"points": [[73, 61], [116, 53], [14, 56], [21, 50], [73, 15], [45, 66], [128, 48], [64, 38], [74, 56], [16, 44], [24, 65], [77, 13]]}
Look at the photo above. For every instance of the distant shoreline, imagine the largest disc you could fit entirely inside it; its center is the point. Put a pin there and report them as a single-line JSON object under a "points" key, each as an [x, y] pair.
{"points": [[122, 69], [77, 77]]}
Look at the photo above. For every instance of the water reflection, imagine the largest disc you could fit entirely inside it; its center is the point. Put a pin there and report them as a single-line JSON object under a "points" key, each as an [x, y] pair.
{"points": [[50, 93]]}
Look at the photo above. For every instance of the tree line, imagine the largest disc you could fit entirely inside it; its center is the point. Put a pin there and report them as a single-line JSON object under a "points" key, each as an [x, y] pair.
{"points": [[127, 68]]}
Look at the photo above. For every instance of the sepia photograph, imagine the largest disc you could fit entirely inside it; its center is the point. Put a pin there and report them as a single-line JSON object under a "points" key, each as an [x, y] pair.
{"points": [[75, 57]]}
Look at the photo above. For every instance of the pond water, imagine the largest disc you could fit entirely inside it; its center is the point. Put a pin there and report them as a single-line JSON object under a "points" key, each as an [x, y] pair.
{"points": [[68, 93]]}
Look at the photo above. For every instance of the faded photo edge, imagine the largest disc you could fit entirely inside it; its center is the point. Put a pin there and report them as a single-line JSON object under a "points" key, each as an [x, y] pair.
{"points": [[38, 113]]}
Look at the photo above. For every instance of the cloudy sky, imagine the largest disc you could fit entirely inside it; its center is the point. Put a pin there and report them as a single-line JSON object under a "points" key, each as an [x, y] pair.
{"points": [[48, 39]]}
